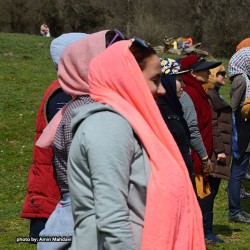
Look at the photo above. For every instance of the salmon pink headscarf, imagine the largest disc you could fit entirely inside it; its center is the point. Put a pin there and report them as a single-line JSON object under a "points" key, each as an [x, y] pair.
{"points": [[172, 217], [73, 76]]}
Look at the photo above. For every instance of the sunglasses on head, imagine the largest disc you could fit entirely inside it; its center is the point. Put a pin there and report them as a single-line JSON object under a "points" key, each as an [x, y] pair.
{"points": [[118, 36], [139, 41], [222, 73]]}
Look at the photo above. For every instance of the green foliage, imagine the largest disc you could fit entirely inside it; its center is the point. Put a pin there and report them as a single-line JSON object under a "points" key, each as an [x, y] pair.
{"points": [[26, 71]]}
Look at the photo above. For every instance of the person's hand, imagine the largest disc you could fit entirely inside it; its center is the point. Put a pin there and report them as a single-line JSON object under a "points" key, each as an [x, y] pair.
{"points": [[207, 165], [221, 157]]}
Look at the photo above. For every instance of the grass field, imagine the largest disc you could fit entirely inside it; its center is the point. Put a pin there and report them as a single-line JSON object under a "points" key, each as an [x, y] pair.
{"points": [[25, 72]]}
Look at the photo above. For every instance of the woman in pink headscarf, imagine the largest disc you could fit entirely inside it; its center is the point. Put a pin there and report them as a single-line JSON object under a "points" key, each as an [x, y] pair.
{"points": [[73, 77], [128, 183]]}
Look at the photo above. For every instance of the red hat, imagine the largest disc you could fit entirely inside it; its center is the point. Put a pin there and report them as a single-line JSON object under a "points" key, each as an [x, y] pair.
{"points": [[197, 63]]}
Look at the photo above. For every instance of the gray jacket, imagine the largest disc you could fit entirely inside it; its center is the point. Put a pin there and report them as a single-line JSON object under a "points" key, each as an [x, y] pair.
{"points": [[108, 172], [237, 95]]}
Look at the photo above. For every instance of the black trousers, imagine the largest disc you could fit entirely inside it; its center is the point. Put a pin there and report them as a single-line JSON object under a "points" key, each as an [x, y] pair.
{"points": [[207, 203]]}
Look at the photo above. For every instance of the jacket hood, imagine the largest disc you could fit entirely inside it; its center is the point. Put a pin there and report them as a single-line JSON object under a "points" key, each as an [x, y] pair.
{"points": [[81, 113]]}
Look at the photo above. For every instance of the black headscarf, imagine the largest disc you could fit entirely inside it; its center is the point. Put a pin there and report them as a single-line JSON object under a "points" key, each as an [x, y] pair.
{"points": [[170, 101]]}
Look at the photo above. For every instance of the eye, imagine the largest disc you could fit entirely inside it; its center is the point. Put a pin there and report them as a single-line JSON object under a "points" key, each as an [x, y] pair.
{"points": [[156, 80]]}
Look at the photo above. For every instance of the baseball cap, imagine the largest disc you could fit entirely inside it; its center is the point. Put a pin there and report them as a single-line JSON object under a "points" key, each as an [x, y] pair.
{"points": [[202, 64]]}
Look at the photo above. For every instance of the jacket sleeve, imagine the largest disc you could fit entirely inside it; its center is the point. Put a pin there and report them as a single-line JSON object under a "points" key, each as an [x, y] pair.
{"points": [[246, 109], [238, 89], [190, 116], [217, 140], [110, 151]]}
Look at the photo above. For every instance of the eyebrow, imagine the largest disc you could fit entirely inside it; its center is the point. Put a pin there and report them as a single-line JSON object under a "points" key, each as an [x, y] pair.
{"points": [[156, 76]]}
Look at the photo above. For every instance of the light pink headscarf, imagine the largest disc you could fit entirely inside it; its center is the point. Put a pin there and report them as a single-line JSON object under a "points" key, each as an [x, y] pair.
{"points": [[173, 218], [73, 76]]}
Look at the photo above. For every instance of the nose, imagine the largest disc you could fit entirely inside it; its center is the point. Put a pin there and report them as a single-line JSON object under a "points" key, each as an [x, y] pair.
{"points": [[160, 90]]}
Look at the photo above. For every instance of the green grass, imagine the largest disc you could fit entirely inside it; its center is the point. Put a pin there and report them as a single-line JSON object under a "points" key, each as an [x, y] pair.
{"points": [[25, 72]]}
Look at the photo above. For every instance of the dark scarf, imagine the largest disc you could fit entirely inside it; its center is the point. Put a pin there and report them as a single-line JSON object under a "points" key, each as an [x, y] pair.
{"points": [[171, 101], [204, 116]]}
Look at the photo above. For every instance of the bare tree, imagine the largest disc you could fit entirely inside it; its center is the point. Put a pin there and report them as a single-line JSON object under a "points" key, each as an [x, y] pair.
{"points": [[219, 26]]}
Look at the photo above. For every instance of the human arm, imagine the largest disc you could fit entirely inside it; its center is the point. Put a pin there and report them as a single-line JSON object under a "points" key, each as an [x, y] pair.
{"points": [[245, 111], [238, 89], [218, 144]]}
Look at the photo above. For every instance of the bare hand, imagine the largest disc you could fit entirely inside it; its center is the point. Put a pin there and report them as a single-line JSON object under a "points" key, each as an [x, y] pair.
{"points": [[221, 157], [207, 166]]}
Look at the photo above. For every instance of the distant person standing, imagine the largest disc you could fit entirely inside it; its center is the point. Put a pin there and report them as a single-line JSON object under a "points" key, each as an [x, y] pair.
{"points": [[189, 40], [44, 30]]}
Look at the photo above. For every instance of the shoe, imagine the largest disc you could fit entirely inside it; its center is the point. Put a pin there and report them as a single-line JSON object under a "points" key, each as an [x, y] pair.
{"points": [[239, 218], [247, 176], [211, 237], [244, 194], [208, 224], [247, 215]]}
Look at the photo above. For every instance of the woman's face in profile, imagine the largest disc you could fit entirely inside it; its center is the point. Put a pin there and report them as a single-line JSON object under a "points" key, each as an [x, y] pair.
{"points": [[152, 75], [179, 86], [201, 75], [221, 77]]}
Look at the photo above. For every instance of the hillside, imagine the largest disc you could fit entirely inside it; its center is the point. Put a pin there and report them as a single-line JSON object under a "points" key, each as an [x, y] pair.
{"points": [[25, 72]]}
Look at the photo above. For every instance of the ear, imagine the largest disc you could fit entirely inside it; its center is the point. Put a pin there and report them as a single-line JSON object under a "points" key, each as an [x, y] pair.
{"points": [[193, 74]]}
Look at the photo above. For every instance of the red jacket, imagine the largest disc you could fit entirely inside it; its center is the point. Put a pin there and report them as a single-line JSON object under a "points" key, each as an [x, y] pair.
{"points": [[43, 192], [204, 116]]}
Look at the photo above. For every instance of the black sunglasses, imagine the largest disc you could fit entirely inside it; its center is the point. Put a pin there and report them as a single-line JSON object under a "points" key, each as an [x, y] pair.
{"points": [[117, 37], [140, 41], [222, 73]]}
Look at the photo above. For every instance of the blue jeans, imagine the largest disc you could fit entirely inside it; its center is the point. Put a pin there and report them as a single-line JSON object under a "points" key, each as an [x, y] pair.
{"points": [[238, 170]]}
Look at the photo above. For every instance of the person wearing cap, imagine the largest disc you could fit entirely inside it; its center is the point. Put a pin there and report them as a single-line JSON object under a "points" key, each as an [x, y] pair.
{"points": [[171, 110], [239, 73], [199, 75], [40, 202]]}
